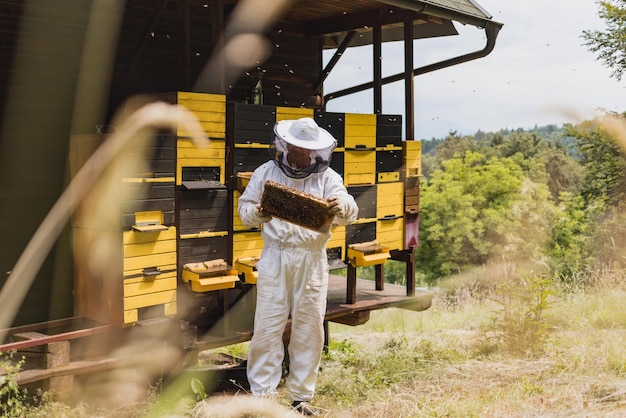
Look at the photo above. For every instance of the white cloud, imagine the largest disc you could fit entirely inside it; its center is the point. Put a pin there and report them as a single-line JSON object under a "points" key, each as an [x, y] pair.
{"points": [[538, 73]]}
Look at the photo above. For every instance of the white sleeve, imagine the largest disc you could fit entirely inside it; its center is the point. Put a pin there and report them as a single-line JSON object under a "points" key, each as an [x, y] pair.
{"points": [[251, 197], [335, 187]]}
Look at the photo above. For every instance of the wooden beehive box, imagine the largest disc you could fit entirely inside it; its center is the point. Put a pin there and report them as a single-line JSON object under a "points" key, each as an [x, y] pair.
{"points": [[297, 207]]}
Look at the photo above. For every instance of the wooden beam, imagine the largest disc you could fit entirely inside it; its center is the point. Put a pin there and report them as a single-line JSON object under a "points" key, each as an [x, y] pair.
{"points": [[409, 90], [185, 24], [218, 26], [356, 21], [377, 65], [333, 61], [147, 34]]}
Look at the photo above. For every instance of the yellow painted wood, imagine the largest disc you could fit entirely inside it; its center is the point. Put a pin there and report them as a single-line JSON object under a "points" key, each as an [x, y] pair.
{"points": [[188, 95], [338, 239], [189, 275], [211, 129], [363, 221], [136, 237], [170, 308], [149, 216], [413, 158], [389, 199], [131, 316], [149, 286], [151, 299], [359, 167], [359, 259], [159, 180], [237, 223], [136, 272], [199, 162], [247, 244], [360, 130], [148, 248], [356, 131], [389, 147], [200, 153], [146, 261], [388, 177], [286, 113], [360, 161], [189, 143], [390, 233], [247, 267], [351, 179], [214, 111], [168, 272], [252, 145], [204, 234], [214, 283], [360, 119]]}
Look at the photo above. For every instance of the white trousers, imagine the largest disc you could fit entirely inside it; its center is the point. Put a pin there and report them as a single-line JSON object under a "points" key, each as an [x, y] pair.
{"points": [[291, 281]]}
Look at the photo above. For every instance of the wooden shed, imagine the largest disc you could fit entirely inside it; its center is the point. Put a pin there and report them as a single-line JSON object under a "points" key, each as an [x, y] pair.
{"points": [[66, 67]]}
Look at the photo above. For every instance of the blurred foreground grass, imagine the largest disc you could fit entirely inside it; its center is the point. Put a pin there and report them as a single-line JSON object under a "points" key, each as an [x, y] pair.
{"points": [[457, 359]]}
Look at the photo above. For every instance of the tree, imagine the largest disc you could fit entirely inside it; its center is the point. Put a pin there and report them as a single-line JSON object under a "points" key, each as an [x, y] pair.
{"points": [[474, 209], [603, 161], [610, 45]]}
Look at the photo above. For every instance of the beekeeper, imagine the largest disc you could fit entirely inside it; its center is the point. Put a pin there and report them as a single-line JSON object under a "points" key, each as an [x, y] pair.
{"points": [[293, 268]]}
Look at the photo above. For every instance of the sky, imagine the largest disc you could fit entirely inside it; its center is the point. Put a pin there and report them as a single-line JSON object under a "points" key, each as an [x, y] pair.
{"points": [[539, 73]]}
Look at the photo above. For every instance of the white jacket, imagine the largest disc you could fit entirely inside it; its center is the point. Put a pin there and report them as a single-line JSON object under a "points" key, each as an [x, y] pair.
{"points": [[326, 184]]}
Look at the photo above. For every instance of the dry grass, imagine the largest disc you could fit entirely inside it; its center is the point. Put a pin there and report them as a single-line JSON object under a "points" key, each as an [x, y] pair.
{"points": [[443, 366], [441, 363]]}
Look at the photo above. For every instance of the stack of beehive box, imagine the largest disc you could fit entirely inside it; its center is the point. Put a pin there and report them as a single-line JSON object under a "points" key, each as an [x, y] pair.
{"points": [[202, 197]]}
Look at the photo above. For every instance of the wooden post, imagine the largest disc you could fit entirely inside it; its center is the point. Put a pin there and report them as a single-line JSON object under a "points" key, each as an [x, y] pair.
{"points": [[52, 356], [351, 288], [380, 276]]}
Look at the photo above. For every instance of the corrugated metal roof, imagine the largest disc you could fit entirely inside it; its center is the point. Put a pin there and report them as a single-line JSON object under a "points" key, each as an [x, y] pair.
{"points": [[464, 11]]}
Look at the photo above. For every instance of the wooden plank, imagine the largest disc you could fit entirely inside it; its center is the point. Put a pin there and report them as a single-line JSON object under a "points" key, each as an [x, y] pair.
{"points": [[150, 299], [149, 286], [47, 339]]}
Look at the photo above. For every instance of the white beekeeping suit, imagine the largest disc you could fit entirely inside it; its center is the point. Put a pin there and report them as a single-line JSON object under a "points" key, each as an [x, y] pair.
{"points": [[293, 269]]}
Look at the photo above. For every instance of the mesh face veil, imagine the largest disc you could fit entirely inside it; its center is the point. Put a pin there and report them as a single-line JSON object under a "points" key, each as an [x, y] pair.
{"points": [[319, 158]]}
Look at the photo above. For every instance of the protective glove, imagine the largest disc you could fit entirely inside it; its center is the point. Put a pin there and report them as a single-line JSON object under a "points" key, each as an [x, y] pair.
{"points": [[261, 215], [336, 206]]}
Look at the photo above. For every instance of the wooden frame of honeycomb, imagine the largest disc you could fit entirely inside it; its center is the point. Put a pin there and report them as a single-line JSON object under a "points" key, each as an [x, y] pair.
{"points": [[297, 207]]}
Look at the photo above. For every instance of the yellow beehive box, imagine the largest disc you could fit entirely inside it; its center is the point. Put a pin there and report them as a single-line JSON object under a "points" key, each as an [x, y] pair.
{"points": [[147, 253], [413, 158], [237, 223], [289, 113], [190, 155], [360, 131], [137, 286], [150, 299], [247, 267], [390, 232], [141, 292], [367, 254], [247, 244], [210, 109], [359, 167], [338, 239], [210, 275], [389, 199]]}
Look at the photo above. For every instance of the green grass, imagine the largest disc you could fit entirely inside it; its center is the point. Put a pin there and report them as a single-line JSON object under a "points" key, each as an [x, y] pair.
{"points": [[434, 363], [456, 359]]}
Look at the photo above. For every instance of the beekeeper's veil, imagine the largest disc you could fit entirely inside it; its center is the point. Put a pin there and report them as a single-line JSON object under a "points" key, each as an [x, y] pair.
{"points": [[302, 133]]}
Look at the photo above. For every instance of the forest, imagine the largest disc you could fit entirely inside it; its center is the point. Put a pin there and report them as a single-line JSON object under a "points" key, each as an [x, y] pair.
{"points": [[545, 201]]}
